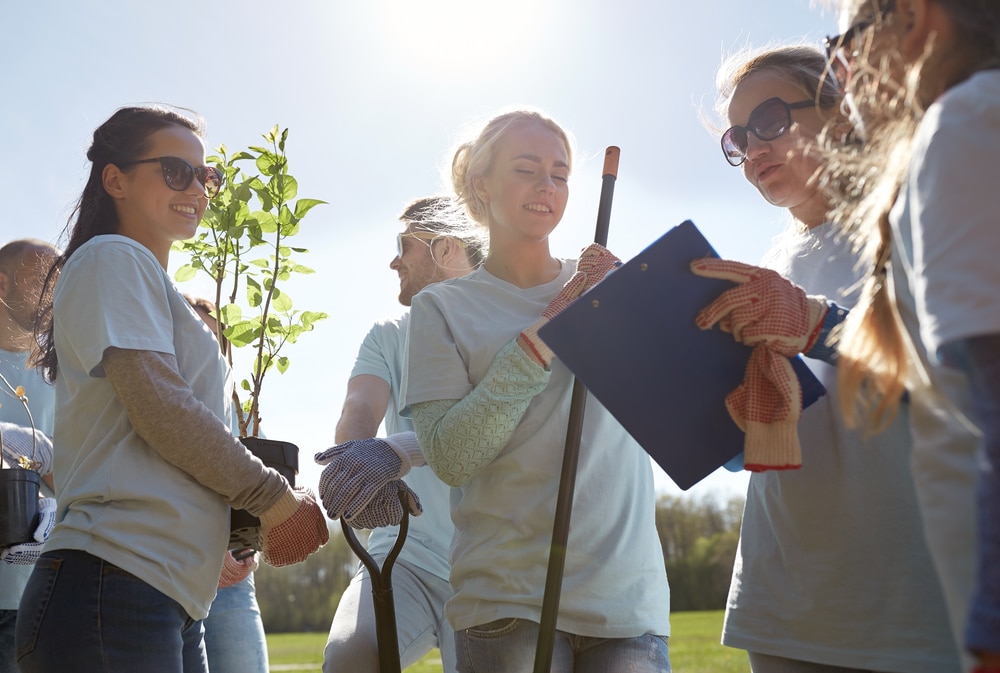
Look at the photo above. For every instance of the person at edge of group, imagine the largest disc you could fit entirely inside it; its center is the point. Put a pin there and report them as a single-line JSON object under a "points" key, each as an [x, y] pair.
{"points": [[922, 79], [146, 464], [235, 641], [24, 265], [358, 482], [832, 572], [490, 406]]}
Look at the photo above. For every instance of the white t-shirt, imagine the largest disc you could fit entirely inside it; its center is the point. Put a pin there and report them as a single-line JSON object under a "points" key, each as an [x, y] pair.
{"points": [[827, 548], [118, 499], [615, 583], [945, 276], [382, 354]]}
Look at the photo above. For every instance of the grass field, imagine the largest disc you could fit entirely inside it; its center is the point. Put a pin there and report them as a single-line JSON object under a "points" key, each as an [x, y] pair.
{"points": [[694, 648]]}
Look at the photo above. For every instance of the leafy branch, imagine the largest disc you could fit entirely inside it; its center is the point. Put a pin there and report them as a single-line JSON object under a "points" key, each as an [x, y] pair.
{"points": [[226, 248]]}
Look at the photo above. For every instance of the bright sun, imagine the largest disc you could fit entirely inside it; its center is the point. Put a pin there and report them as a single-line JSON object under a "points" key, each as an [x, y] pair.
{"points": [[459, 35]]}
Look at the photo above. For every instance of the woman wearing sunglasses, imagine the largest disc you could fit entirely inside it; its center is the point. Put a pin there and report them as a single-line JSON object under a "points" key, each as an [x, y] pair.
{"points": [[145, 464], [832, 573], [490, 403], [924, 80]]}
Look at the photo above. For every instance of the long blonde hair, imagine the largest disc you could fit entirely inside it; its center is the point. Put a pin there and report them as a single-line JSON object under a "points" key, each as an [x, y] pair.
{"points": [[865, 182]]}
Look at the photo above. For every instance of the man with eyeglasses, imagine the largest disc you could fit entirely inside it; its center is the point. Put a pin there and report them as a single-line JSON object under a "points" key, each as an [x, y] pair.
{"points": [[362, 478]]}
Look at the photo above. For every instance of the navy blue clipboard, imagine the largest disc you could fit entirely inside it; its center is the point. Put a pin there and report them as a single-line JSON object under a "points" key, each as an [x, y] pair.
{"points": [[632, 341]]}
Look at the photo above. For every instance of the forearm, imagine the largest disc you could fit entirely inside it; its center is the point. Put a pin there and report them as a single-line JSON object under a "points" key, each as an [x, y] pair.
{"points": [[461, 437], [358, 420], [166, 415]]}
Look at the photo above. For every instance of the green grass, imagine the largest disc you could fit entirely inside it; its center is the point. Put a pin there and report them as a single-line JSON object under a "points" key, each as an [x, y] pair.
{"points": [[694, 648]]}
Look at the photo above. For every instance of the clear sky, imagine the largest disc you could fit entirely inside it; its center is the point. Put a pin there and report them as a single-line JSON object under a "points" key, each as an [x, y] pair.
{"points": [[375, 94]]}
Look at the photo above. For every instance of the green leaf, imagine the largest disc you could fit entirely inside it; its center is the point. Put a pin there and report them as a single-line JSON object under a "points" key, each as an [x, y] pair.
{"points": [[281, 301], [231, 314], [303, 206], [283, 364], [186, 272]]}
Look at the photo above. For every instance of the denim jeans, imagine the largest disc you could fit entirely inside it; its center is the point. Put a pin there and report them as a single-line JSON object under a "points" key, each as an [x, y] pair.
{"points": [[7, 663], [234, 633], [80, 613], [508, 646]]}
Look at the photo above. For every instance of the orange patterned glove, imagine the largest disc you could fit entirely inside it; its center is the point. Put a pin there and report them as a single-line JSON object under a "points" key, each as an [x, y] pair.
{"points": [[766, 407], [764, 308], [594, 264], [779, 320], [293, 528], [235, 571]]}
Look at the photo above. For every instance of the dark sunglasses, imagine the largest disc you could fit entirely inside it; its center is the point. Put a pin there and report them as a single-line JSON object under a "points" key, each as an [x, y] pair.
{"points": [[768, 121], [178, 174], [844, 41]]}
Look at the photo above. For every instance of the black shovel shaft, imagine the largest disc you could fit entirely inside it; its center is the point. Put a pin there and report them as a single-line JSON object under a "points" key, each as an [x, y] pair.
{"points": [[381, 579], [571, 454]]}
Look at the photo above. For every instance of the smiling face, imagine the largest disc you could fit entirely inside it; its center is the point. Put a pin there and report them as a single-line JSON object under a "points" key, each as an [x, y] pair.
{"points": [[527, 187], [780, 168], [149, 211], [417, 264]]}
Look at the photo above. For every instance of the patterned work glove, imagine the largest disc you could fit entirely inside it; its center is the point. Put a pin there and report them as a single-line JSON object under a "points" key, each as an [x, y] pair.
{"points": [[594, 264], [766, 407], [386, 508], [764, 308], [780, 321], [292, 529], [236, 570], [27, 553], [20, 442], [357, 471]]}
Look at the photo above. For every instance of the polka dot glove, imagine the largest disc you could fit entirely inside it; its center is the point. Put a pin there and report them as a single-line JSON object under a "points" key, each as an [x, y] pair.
{"points": [[386, 508], [779, 320], [357, 471], [766, 407], [236, 570], [764, 308], [293, 528], [594, 264], [27, 553]]}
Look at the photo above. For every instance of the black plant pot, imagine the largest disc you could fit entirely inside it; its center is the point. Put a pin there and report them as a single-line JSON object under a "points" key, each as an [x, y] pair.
{"points": [[18, 505], [282, 456]]}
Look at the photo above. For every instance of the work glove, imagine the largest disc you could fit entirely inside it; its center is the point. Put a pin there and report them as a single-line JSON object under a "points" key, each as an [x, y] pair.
{"points": [[26, 553], [21, 444], [357, 471], [235, 570], [764, 308], [386, 508], [292, 528], [594, 264], [780, 321]]}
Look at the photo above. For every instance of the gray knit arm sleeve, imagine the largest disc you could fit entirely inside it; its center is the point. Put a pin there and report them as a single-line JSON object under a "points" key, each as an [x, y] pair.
{"points": [[460, 437], [164, 412]]}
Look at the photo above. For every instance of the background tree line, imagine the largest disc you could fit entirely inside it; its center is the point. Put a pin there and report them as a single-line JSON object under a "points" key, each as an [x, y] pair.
{"points": [[699, 539]]}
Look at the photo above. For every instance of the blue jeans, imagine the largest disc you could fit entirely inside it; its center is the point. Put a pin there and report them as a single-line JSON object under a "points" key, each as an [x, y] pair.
{"points": [[508, 646], [234, 633], [81, 613], [7, 663]]}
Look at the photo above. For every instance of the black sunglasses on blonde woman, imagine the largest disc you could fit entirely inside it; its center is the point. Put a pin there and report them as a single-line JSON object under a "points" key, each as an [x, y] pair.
{"points": [[178, 174], [768, 121]]}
